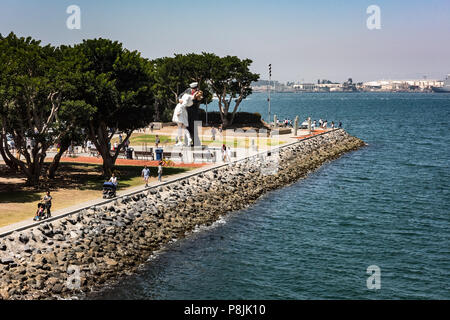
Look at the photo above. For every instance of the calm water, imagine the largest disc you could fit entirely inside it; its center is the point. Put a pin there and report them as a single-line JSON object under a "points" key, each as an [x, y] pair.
{"points": [[384, 205]]}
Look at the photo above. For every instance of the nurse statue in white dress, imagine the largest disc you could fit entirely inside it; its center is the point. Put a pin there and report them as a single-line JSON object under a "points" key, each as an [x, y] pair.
{"points": [[180, 115]]}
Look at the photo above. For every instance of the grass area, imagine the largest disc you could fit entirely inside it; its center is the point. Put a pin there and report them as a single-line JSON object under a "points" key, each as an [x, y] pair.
{"points": [[231, 141], [74, 184], [139, 138]]}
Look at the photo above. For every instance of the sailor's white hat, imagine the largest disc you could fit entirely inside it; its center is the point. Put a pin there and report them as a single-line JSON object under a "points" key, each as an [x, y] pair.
{"points": [[194, 85]]}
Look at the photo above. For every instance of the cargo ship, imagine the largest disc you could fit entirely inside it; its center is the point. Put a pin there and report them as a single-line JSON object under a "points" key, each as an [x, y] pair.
{"points": [[445, 87]]}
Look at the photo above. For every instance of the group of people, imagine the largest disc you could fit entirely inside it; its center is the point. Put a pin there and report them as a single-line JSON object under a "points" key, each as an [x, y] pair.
{"points": [[146, 173], [323, 124], [226, 153], [43, 210], [285, 123]]}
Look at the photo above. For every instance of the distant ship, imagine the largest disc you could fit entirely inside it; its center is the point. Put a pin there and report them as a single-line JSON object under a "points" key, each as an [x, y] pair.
{"points": [[445, 87]]}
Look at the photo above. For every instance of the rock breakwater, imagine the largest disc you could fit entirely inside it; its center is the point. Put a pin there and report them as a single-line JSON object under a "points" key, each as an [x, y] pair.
{"points": [[81, 252]]}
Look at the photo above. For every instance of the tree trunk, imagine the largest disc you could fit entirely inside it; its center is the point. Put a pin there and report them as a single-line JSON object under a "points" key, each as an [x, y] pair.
{"points": [[108, 165], [55, 163], [34, 174]]}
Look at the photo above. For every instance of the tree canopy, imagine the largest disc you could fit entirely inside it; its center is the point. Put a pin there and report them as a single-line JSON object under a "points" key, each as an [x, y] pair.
{"points": [[95, 89]]}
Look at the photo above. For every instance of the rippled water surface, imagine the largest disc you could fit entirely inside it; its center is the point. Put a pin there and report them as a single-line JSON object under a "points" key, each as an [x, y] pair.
{"points": [[384, 205]]}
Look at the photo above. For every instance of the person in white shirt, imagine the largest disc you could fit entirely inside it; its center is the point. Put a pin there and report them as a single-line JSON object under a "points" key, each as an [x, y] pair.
{"points": [[146, 175], [229, 154], [160, 170]]}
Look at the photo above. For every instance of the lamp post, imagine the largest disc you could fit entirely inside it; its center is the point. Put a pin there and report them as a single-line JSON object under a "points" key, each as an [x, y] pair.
{"points": [[206, 111], [270, 84], [206, 99]]}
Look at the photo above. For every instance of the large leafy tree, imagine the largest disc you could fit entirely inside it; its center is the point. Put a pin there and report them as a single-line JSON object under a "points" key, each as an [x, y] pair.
{"points": [[117, 83], [33, 88], [174, 74], [230, 79]]}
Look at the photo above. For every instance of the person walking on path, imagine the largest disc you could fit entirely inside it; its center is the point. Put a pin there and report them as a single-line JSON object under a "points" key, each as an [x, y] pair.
{"points": [[160, 170], [47, 200], [157, 141], [224, 150], [213, 133], [228, 154], [146, 175]]}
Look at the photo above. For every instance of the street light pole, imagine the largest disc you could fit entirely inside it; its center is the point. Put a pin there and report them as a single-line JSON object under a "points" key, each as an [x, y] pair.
{"points": [[270, 85], [206, 111]]}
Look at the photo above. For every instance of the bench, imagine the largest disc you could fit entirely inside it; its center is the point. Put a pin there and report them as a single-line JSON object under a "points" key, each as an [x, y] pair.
{"points": [[93, 151], [205, 155], [169, 155], [121, 153], [144, 154]]}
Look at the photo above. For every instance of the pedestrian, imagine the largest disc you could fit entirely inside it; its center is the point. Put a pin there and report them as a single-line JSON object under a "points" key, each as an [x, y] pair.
{"points": [[157, 141], [229, 154], [332, 124], [213, 133], [146, 174], [160, 170], [224, 149], [151, 127], [48, 203], [313, 125], [120, 138], [340, 124], [83, 146]]}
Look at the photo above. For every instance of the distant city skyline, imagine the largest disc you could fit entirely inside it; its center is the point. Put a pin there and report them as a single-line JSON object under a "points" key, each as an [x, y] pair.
{"points": [[302, 40]]}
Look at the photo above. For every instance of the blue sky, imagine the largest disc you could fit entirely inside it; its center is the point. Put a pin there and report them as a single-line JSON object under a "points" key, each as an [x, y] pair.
{"points": [[303, 40]]}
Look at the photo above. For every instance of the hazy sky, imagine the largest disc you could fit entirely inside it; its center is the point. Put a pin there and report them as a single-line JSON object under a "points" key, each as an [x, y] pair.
{"points": [[303, 40]]}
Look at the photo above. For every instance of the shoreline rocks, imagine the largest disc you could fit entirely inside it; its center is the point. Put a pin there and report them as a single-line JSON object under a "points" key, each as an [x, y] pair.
{"points": [[79, 253]]}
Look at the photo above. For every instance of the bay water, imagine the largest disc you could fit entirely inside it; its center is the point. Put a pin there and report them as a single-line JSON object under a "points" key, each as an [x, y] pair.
{"points": [[387, 205]]}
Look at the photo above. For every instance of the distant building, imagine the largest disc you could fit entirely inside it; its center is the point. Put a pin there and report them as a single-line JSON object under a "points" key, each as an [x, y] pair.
{"points": [[402, 85]]}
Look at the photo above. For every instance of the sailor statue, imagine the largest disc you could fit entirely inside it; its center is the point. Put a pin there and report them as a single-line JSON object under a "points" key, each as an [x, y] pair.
{"points": [[188, 99]]}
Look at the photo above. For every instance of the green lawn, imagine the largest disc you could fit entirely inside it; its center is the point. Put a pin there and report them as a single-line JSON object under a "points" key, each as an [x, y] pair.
{"points": [[240, 142]]}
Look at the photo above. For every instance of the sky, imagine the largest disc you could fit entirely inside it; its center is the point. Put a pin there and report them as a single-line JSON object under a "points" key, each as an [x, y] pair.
{"points": [[303, 40]]}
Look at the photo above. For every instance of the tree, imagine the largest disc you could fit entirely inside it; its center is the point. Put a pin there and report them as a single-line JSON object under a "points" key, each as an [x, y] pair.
{"points": [[173, 75], [72, 114], [32, 86], [117, 83], [36, 85], [230, 79]]}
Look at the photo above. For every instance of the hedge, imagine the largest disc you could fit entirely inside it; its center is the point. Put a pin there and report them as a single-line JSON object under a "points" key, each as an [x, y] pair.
{"points": [[239, 118]]}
